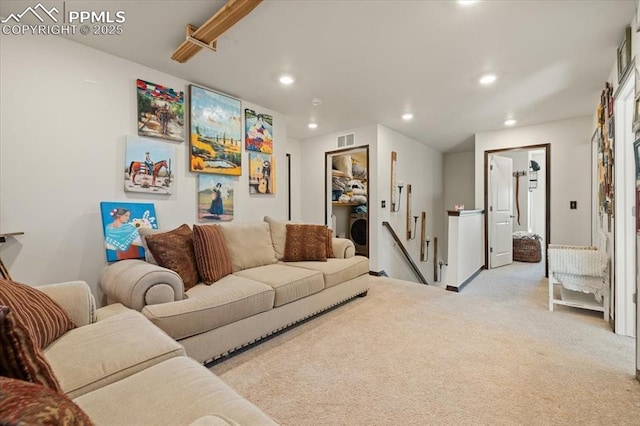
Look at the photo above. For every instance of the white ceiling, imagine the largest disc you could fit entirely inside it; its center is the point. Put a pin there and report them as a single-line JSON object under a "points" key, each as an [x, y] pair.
{"points": [[372, 60]]}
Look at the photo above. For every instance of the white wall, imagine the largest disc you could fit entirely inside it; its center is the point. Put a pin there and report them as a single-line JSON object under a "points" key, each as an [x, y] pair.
{"points": [[423, 168], [65, 112], [537, 200], [459, 175], [570, 171], [520, 163]]}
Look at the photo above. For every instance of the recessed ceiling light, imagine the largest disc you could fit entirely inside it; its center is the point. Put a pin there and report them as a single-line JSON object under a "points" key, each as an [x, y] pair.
{"points": [[466, 2], [312, 125], [286, 79], [488, 79], [510, 122], [407, 116]]}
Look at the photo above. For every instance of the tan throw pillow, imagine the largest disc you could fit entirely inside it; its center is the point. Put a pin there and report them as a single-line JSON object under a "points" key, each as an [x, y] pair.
{"points": [[20, 358], [249, 244], [212, 256], [306, 242], [144, 233], [174, 250], [37, 312], [278, 231], [23, 403], [330, 243]]}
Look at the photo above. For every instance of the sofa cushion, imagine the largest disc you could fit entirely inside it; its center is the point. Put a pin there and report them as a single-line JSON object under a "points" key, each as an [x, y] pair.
{"points": [[249, 245], [289, 283], [208, 307], [305, 242], [24, 403], [175, 392], [337, 271], [44, 318], [144, 232], [20, 358], [278, 230], [101, 353], [212, 256], [174, 250]]}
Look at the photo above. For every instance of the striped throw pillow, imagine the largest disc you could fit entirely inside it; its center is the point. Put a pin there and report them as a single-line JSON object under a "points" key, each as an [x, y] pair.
{"points": [[212, 255], [37, 312], [20, 358]]}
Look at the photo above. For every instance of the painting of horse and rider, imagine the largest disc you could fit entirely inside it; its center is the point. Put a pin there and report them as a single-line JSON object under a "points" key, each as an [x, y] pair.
{"points": [[147, 166], [160, 111]]}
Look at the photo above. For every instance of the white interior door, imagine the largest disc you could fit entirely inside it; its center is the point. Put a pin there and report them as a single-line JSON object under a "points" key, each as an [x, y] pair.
{"points": [[500, 211]]}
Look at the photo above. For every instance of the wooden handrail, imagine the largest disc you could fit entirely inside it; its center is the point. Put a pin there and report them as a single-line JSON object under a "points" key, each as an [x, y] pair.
{"points": [[405, 252]]}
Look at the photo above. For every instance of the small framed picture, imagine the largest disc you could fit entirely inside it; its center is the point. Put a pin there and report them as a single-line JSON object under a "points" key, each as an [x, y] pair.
{"points": [[624, 55], [636, 115], [636, 151]]}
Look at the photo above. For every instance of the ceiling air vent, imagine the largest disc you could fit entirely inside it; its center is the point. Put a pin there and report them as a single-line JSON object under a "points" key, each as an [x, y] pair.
{"points": [[346, 140]]}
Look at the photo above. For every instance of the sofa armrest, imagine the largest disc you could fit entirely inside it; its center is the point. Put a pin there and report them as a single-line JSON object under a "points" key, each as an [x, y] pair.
{"points": [[75, 298], [343, 248], [136, 283]]}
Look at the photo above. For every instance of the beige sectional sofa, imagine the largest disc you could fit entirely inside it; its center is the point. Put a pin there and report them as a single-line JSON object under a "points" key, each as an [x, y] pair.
{"points": [[263, 295], [122, 370]]}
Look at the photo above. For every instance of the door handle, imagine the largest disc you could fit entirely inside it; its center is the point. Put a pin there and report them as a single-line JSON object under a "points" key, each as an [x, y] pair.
{"points": [[511, 216]]}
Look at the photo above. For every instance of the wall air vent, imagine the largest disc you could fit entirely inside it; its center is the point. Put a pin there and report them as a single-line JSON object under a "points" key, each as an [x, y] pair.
{"points": [[346, 140]]}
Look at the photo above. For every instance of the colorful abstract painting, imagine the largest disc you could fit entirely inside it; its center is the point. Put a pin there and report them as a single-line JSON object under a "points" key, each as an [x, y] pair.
{"points": [[120, 223], [262, 174], [148, 166], [259, 132], [216, 132], [160, 111], [215, 198]]}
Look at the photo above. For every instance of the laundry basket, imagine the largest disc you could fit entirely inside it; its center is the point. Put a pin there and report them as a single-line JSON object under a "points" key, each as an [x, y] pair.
{"points": [[526, 247]]}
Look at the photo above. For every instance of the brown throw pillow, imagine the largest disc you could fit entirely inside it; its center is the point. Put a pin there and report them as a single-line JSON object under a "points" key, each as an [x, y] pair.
{"points": [[212, 255], [174, 250], [330, 243], [23, 403], [305, 242], [37, 312], [20, 358]]}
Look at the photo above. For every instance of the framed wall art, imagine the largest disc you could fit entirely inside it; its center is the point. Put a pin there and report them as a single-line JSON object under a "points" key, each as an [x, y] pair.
{"points": [[215, 198], [160, 111], [120, 224], [148, 166], [261, 174], [624, 55], [259, 132], [215, 132]]}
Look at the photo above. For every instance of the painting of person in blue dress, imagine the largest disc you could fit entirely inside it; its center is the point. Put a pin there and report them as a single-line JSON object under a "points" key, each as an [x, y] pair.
{"points": [[121, 222], [216, 208]]}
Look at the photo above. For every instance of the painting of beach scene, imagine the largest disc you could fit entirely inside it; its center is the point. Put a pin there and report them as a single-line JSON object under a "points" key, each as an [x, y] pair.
{"points": [[160, 111], [215, 198], [147, 166], [216, 132], [120, 224], [259, 132]]}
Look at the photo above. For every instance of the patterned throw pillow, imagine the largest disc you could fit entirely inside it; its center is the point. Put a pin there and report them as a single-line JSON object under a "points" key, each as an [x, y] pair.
{"points": [[330, 243], [20, 358], [174, 250], [305, 242], [37, 312], [23, 403], [212, 255]]}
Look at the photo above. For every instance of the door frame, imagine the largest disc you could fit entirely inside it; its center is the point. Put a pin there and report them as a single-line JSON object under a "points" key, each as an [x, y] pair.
{"points": [[547, 150], [327, 185]]}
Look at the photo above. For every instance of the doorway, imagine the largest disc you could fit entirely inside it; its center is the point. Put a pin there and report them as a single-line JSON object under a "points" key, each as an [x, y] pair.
{"points": [[531, 176], [347, 195]]}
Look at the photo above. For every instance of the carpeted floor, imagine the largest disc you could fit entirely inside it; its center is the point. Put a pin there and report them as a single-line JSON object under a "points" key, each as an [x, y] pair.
{"points": [[409, 354]]}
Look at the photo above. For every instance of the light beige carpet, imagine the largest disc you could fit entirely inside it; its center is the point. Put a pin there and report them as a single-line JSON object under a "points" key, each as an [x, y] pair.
{"points": [[409, 354]]}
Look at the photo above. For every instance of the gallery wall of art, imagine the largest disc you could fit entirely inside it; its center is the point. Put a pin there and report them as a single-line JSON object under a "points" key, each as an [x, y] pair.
{"points": [[70, 120]]}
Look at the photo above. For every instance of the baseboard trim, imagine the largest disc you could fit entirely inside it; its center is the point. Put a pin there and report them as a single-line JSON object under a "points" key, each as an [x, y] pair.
{"points": [[465, 282]]}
